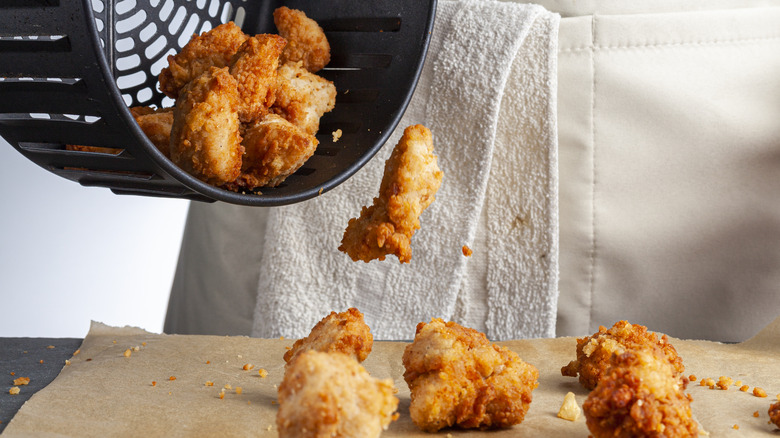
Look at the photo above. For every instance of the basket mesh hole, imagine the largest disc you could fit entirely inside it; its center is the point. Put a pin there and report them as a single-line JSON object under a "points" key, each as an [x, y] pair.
{"points": [[128, 62], [189, 29], [131, 80], [148, 32], [125, 6], [156, 47], [145, 95], [128, 24], [125, 44], [177, 21], [214, 8], [166, 10], [98, 6]]}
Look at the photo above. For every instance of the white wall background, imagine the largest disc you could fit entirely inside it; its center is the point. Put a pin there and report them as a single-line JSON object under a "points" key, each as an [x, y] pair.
{"points": [[71, 254]]}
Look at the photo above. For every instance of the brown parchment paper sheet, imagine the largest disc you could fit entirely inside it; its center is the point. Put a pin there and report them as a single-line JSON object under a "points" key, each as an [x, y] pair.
{"points": [[103, 393]]}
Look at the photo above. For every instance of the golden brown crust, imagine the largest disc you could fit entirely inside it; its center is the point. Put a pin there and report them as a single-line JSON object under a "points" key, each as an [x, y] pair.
{"points": [[594, 352], [205, 139], [640, 395], [331, 395], [157, 126], [458, 378], [274, 149], [254, 67], [306, 39], [411, 179], [344, 332], [774, 413], [214, 48], [302, 97]]}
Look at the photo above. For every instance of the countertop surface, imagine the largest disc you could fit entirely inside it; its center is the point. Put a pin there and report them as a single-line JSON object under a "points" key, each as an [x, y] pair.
{"points": [[40, 359]]}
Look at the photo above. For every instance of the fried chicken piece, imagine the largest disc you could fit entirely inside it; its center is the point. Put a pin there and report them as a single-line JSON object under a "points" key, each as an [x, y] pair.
{"points": [[157, 126], [274, 149], [640, 395], [155, 123], [306, 39], [458, 378], [332, 395], [254, 67], [344, 332], [303, 97], [214, 48], [594, 352], [205, 139], [411, 179], [774, 413], [94, 149]]}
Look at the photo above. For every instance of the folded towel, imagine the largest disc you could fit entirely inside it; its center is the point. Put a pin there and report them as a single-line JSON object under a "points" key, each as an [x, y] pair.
{"points": [[497, 148]]}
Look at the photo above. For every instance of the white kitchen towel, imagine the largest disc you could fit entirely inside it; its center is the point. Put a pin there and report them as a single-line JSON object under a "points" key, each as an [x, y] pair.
{"points": [[461, 96]]}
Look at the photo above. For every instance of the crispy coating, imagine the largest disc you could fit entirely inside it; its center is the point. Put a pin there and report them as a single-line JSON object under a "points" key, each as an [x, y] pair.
{"points": [[274, 149], [344, 332], [157, 126], [303, 97], [458, 378], [774, 413], [306, 39], [214, 48], [411, 179], [254, 67], [640, 395], [155, 123], [205, 139], [594, 352], [332, 395]]}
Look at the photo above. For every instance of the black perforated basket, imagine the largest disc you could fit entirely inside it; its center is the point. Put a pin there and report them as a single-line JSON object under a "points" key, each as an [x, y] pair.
{"points": [[69, 69]]}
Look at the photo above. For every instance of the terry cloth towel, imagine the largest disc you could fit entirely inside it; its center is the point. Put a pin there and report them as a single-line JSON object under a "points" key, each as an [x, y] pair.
{"points": [[487, 93]]}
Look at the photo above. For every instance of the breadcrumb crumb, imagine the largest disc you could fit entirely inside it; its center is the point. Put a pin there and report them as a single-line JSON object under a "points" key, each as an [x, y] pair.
{"points": [[756, 414], [21, 381], [735, 427], [692, 377], [337, 135], [569, 409], [248, 366], [744, 388], [14, 390], [724, 382], [239, 390], [466, 251], [172, 378], [127, 353], [759, 392], [707, 382], [209, 383], [263, 373]]}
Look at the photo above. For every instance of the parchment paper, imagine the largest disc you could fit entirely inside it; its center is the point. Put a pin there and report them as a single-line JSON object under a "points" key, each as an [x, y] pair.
{"points": [[103, 393]]}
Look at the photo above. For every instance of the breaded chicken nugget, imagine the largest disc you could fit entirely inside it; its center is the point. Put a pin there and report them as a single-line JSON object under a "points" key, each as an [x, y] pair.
{"points": [[774, 413], [155, 123], [157, 126], [411, 179], [302, 97], [458, 378], [205, 139], [254, 67], [331, 395], [344, 332], [640, 395], [594, 352], [214, 48], [306, 39], [274, 149]]}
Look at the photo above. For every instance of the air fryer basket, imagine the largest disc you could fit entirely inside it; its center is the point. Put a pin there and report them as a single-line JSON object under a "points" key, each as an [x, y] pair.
{"points": [[70, 68]]}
